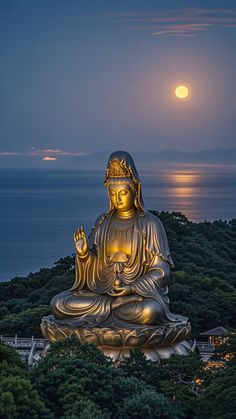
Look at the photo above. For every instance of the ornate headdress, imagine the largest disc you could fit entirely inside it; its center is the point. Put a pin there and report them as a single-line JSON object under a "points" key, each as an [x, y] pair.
{"points": [[116, 169], [121, 168]]}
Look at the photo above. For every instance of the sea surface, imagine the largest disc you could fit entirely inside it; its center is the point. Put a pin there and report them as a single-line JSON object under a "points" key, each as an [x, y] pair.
{"points": [[40, 209]]}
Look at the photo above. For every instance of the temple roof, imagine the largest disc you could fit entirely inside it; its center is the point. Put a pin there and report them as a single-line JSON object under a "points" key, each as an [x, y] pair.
{"points": [[217, 331]]}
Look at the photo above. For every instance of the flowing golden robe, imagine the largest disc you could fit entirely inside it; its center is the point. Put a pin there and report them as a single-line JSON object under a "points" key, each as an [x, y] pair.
{"points": [[88, 302]]}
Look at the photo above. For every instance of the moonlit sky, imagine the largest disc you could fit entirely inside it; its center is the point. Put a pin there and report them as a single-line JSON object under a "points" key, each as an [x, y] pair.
{"points": [[85, 76]]}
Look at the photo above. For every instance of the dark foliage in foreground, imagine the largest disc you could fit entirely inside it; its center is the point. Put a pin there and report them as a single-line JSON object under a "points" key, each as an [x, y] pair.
{"points": [[202, 286], [75, 380], [18, 397]]}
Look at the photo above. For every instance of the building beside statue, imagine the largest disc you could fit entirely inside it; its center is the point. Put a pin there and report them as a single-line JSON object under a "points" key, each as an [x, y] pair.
{"points": [[29, 349], [216, 337]]}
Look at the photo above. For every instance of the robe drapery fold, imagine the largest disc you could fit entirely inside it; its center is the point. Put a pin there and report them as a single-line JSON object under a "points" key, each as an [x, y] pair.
{"points": [[149, 241], [147, 270]]}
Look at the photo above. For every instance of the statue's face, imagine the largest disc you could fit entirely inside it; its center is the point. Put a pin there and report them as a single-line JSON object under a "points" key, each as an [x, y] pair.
{"points": [[122, 196]]}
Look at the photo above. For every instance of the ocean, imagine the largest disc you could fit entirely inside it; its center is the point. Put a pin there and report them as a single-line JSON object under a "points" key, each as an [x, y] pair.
{"points": [[41, 209]]}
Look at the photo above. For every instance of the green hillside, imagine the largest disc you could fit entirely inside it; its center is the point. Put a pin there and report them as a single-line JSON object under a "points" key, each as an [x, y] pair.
{"points": [[202, 286]]}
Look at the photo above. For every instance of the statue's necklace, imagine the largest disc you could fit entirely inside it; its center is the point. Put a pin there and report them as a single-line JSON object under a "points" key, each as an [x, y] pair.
{"points": [[120, 229]]}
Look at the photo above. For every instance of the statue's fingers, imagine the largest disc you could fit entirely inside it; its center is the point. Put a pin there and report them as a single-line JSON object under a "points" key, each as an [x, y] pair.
{"points": [[75, 237], [118, 294], [120, 289], [81, 232]]}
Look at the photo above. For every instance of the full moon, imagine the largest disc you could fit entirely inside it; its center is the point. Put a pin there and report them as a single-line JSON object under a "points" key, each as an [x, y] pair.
{"points": [[181, 92]]}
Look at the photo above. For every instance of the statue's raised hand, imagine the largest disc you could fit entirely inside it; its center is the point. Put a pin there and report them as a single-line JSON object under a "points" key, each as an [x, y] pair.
{"points": [[81, 243]]}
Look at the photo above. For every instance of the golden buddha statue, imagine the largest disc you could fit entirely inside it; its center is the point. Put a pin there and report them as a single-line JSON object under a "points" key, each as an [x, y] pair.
{"points": [[120, 296]]}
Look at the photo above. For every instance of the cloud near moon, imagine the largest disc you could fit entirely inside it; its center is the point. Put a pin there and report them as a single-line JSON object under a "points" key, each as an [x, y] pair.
{"points": [[47, 158]]}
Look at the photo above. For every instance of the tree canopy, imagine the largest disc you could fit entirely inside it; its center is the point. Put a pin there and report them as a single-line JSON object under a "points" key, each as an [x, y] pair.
{"points": [[76, 380]]}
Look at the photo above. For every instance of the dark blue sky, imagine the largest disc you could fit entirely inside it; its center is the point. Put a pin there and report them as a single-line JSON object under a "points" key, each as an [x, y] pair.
{"points": [[91, 75]]}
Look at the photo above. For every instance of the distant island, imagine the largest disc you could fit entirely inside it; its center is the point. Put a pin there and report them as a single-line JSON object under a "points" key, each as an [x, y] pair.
{"points": [[63, 159]]}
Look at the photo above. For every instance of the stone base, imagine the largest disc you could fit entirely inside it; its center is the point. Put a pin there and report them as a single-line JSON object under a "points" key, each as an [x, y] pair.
{"points": [[156, 342]]}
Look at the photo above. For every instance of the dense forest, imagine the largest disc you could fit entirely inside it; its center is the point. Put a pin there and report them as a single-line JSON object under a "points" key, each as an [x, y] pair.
{"points": [[76, 381], [202, 285]]}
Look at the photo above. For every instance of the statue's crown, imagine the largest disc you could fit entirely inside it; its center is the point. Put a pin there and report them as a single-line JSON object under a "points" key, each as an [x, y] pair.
{"points": [[117, 169]]}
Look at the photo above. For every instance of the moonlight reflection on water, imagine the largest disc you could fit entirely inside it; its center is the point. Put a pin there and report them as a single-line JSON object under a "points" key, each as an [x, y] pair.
{"points": [[200, 191], [184, 190], [40, 210]]}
